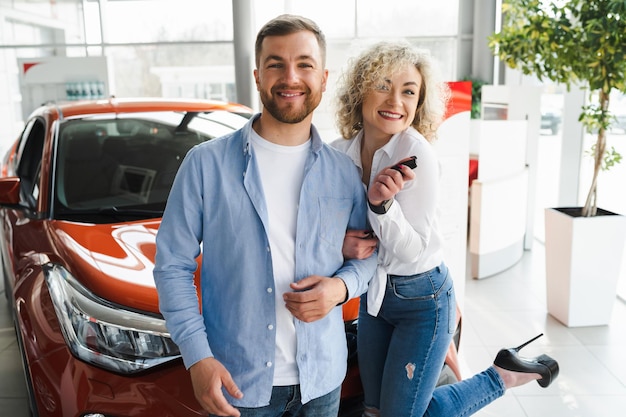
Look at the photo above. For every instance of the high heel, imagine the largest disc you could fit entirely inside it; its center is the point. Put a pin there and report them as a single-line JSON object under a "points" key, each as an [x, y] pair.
{"points": [[543, 365]]}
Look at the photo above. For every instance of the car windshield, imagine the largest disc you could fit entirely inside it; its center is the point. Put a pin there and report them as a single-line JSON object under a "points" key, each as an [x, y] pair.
{"points": [[121, 167]]}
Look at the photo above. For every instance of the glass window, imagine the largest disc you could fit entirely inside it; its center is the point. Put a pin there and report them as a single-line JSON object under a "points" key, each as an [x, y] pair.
{"points": [[407, 18], [170, 70], [184, 48], [29, 165], [337, 19], [128, 160], [168, 21], [612, 179], [366, 18]]}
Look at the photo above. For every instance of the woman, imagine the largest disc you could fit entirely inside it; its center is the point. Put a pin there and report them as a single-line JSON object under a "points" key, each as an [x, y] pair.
{"points": [[390, 103]]}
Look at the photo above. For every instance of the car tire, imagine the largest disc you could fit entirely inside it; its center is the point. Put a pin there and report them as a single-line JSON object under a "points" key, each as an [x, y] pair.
{"points": [[351, 408]]}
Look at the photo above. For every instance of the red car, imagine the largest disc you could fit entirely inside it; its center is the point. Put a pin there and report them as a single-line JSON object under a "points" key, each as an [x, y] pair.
{"points": [[82, 192]]}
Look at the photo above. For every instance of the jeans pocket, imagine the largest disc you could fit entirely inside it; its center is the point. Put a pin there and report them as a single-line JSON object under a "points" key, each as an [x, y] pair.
{"points": [[416, 287]]}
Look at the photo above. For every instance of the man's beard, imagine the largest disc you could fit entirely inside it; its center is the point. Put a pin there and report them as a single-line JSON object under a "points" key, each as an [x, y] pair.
{"points": [[290, 114]]}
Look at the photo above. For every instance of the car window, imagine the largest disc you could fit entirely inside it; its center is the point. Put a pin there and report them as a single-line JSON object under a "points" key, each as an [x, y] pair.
{"points": [[29, 162], [217, 123], [124, 165]]}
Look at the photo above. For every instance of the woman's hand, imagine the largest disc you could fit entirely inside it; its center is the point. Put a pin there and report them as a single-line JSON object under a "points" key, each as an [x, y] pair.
{"points": [[388, 183]]}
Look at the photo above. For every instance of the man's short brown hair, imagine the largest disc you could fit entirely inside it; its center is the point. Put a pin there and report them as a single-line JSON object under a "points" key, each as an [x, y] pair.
{"points": [[287, 24]]}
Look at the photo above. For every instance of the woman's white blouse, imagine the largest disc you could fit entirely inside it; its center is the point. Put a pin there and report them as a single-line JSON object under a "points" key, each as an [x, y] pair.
{"points": [[410, 241]]}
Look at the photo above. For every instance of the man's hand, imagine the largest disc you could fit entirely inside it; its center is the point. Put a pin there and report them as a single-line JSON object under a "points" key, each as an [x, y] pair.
{"points": [[208, 376], [314, 297], [359, 244]]}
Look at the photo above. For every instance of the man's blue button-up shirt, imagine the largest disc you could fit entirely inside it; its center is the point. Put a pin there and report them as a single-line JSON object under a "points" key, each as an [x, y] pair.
{"points": [[217, 203]]}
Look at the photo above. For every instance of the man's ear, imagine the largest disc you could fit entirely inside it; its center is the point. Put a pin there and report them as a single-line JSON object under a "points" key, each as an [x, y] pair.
{"points": [[256, 78]]}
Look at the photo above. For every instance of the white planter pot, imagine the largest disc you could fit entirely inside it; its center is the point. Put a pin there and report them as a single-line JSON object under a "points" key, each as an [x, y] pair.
{"points": [[583, 261]]}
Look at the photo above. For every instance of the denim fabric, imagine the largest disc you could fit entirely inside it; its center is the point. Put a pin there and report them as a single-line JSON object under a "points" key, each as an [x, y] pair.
{"points": [[467, 396], [402, 351], [217, 204], [286, 402]]}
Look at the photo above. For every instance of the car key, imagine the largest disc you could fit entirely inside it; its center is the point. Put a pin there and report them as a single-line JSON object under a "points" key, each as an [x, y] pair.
{"points": [[411, 163]]}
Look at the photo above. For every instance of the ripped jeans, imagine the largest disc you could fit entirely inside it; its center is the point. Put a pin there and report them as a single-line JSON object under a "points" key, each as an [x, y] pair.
{"points": [[402, 351]]}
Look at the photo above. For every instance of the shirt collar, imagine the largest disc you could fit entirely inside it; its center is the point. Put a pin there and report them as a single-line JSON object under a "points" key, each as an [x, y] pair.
{"points": [[316, 140], [390, 146], [354, 149]]}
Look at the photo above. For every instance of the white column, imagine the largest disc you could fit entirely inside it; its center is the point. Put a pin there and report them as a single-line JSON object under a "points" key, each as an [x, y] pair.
{"points": [[243, 39]]}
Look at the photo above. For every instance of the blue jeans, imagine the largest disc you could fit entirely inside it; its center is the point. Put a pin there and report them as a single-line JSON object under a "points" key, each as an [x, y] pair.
{"points": [[403, 349], [286, 402]]}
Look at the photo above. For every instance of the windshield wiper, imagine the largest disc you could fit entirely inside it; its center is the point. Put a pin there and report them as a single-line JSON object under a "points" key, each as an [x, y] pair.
{"points": [[116, 211]]}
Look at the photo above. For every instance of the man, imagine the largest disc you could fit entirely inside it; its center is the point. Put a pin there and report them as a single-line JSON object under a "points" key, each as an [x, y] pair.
{"points": [[270, 205]]}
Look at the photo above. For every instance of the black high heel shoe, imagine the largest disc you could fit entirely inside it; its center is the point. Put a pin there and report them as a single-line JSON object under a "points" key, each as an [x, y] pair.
{"points": [[543, 365]]}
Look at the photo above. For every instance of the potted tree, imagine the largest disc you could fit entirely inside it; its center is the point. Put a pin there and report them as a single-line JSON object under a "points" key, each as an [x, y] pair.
{"points": [[576, 42]]}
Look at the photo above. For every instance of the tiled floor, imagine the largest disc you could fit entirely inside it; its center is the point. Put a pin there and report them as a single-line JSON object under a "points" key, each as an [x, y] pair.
{"points": [[509, 308], [500, 311], [12, 386]]}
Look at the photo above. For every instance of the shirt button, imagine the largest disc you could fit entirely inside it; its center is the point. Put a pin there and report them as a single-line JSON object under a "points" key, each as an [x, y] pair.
{"points": [[270, 326], [270, 290], [268, 364]]}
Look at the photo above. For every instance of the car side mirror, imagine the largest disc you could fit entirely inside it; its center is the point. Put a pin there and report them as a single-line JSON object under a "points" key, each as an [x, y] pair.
{"points": [[10, 191]]}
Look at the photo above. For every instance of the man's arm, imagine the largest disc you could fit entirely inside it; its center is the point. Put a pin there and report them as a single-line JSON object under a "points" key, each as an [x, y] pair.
{"points": [[356, 272], [177, 248], [208, 376], [178, 245], [315, 296]]}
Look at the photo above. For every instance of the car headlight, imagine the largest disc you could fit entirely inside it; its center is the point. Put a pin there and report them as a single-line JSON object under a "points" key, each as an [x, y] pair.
{"points": [[105, 335]]}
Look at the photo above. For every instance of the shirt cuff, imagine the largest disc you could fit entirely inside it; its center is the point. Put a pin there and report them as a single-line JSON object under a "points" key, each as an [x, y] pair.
{"points": [[347, 292], [194, 349]]}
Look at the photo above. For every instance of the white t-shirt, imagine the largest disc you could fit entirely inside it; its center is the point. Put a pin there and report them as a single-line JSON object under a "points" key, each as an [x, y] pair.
{"points": [[282, 172]]}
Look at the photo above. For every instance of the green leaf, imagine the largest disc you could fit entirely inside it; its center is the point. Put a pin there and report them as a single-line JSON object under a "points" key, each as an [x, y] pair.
{"points": [[573, 42]]}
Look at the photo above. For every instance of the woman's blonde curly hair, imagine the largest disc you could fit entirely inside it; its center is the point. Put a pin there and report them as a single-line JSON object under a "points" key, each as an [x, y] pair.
{"points": [[381, 61]]}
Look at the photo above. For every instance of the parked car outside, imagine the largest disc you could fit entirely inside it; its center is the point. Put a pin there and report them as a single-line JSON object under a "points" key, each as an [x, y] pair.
{"points": [[619, 125], [551, 120], [82, 192]]}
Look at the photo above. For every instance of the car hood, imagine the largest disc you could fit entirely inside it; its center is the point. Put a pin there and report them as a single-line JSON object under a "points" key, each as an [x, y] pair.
{"points": [[114, 261]]}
